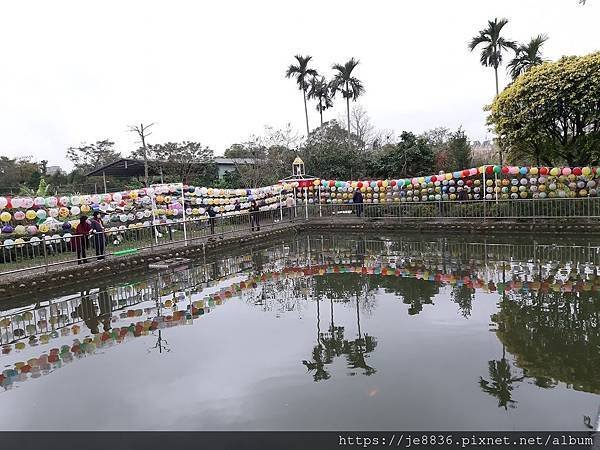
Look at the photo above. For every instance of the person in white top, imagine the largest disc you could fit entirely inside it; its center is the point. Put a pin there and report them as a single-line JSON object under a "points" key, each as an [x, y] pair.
{"points": [[290, 205]]}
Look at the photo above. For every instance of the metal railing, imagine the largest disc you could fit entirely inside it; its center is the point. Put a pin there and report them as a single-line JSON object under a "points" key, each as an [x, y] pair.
{"points": [[530, 209], [53, 250]]}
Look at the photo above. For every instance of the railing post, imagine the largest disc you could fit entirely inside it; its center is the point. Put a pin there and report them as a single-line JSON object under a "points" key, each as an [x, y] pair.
{"points": [[484, 208], [306, 203], [45, 253]]}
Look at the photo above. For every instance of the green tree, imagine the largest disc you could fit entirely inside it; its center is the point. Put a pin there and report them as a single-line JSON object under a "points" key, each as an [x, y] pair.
{"points": [[34, 179], [350, 87], [88, 157], [493, 45], [326, 154], [412, 156], [181, 161], [41, 190], [527, 56], [301, 72], [319, 91], [552, 112], [459, 150]]}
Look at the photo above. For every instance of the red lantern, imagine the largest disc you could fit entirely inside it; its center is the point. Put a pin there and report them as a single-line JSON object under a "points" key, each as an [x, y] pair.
{"points": [[331, 183], [505, 170], [393, 182], [544, 171], [469, 182], [466, 173], [433, 179], [489, 170], [577, 171], [359, 184], [379, 183]]}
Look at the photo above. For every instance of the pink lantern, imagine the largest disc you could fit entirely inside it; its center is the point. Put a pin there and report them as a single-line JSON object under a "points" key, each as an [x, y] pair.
{"points": [[566, 171]]}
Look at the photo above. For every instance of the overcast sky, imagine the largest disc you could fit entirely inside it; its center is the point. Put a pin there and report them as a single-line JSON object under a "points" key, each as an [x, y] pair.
{"points": [[74, 71]]}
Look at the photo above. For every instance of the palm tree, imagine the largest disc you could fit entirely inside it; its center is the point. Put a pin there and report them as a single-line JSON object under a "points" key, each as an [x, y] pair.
{"points": [[527, 56], [319, 91], [301, 72], [494, 45], [350, 87]]}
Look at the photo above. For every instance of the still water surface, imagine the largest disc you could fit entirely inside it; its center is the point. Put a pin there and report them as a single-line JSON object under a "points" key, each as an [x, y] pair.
{"points": [[318, 332]]}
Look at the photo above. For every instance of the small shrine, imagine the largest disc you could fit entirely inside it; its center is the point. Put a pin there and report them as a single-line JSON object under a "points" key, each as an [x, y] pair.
{"points": [[299, 175]]}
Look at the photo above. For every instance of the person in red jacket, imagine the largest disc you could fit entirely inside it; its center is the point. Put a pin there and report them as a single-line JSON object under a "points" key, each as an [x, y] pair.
{"points": [[80, 239]]}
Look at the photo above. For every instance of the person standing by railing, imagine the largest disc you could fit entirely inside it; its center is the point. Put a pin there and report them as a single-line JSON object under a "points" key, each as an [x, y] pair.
{"points": [[290, 203], [99, 236], [80, 239], [211, 218], [254, 219], [357, 199]]}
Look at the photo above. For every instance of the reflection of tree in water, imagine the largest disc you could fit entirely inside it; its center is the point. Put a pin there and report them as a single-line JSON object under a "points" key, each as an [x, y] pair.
{"points": [[332, 344], [554, 336], [414, 292], [463, 296], [501, 383]]}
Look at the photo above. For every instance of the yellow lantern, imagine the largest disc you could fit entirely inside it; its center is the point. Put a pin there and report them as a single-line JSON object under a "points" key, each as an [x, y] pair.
{"points": [[5, 217], [44, 228], [30, 214], [586, 171], [534, 171], [448, 176]]}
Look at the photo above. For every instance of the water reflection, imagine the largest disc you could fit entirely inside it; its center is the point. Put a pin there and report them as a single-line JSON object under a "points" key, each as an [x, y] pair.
{"points": [[546, 321]]}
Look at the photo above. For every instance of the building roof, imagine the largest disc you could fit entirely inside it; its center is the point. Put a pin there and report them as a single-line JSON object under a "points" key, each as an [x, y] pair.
{"points": [[233, 161], [129, 167]]}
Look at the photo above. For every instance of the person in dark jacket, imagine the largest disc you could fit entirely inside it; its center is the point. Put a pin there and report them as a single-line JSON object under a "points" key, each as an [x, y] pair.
{"points": [[236, 206], [357, 199], [211, 218], [254, 212], [80, 240], [99, 236]]}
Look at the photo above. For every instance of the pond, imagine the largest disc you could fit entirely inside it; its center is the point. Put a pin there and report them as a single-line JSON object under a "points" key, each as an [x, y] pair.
{"points": [[318, 332]]}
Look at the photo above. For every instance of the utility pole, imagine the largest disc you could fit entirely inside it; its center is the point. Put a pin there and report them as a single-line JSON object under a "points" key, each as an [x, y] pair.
{"points": [[142, 132]]}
